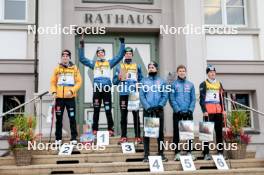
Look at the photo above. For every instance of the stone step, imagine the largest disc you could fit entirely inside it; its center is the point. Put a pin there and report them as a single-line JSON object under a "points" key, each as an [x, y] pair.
{"points": [[119, 167], [90, 158], [115, 149], [115, 139], [248, 171]]}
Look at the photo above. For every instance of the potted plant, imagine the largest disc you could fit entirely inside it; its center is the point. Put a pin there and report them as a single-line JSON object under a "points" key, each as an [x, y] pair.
{"points": [[22, 131], [237, 120]]}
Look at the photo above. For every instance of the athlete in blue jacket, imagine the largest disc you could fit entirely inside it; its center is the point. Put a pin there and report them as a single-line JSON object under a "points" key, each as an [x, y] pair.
{"points": [[127, 75], [102, 77], [153, 97], [182, 99]]}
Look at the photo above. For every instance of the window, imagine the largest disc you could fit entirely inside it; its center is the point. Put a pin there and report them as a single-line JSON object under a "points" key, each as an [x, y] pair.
{"points": [[8, 102], [243, 98], [13, 10], [225, 12]]}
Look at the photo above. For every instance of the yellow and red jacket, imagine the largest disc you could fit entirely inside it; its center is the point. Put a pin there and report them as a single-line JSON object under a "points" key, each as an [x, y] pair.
{"points": [[211, 95], [66, 79]]}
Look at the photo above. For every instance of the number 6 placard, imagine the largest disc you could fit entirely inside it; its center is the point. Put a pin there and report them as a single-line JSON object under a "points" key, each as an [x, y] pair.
{"points": [[220, 162], [187, 163], [102, 138]]}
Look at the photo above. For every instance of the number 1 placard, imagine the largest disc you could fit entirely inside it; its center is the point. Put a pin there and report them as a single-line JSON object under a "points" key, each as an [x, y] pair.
{"points": [[102, 138]]}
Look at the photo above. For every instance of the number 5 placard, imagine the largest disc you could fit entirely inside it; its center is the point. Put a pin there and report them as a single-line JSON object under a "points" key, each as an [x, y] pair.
{"points": [[187, 163], [102, 138], [155, 164]]}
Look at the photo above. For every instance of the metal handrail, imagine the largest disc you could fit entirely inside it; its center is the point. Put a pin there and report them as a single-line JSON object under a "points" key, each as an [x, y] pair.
{"points": [[247, 107], [24, 104]]}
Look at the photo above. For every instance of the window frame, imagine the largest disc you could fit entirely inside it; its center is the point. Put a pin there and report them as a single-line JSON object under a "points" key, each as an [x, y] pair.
{"points": [[2, 16], [223, 8], [120, 1], [2, 94], [250, 105]]}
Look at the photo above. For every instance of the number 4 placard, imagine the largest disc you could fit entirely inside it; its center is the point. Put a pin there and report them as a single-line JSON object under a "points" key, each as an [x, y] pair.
{"points": [[102, 138], [220, 162], [128, 148], [155, 164], [187, 163], [66, 150]]}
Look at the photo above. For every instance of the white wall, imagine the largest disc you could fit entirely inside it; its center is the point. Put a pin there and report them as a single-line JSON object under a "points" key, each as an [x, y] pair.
{"points": [[231, 47], [13, 44], [260, 24], [49, 44]]}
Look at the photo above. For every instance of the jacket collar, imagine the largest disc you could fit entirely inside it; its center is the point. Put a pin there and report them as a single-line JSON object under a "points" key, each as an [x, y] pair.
{"points": [[67, 66], [181, 80]]}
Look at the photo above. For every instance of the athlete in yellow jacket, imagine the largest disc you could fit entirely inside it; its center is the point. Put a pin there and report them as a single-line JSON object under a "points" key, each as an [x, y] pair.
{"points": [[66, 90], [65, 83]]}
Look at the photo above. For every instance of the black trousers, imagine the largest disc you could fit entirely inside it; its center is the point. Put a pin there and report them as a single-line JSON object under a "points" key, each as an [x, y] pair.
{"points": [[69, 104], [176, 134], [123, 102], [218, 126], [106, 97], [159, 114]]}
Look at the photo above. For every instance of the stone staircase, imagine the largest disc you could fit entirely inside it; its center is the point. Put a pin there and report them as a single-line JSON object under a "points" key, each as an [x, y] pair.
{"points": [[113, 161]]}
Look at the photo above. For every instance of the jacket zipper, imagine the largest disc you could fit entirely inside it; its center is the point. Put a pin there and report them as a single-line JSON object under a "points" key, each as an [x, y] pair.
{"points": [[63, 86]]}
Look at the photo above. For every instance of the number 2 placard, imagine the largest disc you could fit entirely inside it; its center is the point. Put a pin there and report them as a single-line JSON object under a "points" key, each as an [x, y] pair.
{"points": [[66, 150]]}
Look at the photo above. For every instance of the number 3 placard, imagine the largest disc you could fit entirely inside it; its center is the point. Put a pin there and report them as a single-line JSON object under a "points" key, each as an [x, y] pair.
{"points": [[66, 150], [155, 164], [187, 163], [128, 148]]}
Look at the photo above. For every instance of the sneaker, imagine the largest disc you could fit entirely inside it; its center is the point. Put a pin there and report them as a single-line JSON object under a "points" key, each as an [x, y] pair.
{"points": [[145, 159], [73, 142], [177, 157], [94, 133], [122, 140], [58, 142], [207, 157], [163, 158], [193, 157], [138, 140], [111, 133]]}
